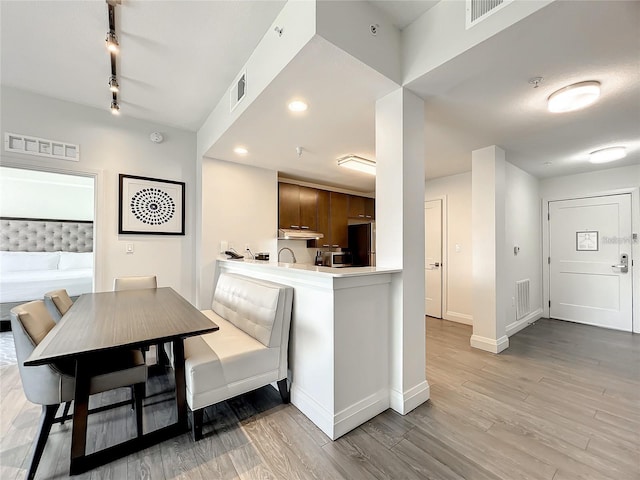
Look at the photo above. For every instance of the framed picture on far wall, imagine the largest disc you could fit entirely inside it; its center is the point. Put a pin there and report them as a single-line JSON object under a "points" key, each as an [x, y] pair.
{"points": [[151, 206]]}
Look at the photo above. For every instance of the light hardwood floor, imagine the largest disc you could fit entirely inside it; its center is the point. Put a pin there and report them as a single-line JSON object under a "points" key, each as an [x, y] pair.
{"points": [[562, 403]]}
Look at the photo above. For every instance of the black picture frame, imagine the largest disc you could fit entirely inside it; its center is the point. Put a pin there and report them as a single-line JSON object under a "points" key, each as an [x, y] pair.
{"points": [[150, 206]]}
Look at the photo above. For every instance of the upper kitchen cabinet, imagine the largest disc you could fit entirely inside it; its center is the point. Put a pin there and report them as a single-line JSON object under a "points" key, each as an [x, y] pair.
{"points": [[361, 207], [338, 220], [297, 207]]}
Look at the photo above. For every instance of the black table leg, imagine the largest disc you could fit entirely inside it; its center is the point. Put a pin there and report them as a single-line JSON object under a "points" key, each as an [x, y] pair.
{"points": [[80, 414], [181, 388]]}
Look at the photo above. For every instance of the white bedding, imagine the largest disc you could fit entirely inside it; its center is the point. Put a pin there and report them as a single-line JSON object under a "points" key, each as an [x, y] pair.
{"points": [[20, 284]]}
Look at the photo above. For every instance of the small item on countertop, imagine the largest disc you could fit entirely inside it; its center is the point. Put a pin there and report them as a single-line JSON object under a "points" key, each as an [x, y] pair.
{"points": [[262, 256], [318, 258], [233, 255]]}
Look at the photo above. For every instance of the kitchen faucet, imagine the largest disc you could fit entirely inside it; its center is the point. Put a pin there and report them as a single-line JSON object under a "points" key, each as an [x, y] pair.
{"points": [[287, 248]]}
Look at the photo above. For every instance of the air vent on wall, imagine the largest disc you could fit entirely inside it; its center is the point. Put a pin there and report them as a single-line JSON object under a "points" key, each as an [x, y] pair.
{"points": [[478, 10], [523, 305], [238, 90], [41, 147]]}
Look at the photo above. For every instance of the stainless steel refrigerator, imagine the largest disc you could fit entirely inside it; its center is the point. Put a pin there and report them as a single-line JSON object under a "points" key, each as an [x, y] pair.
{"points": [[362, 244]]}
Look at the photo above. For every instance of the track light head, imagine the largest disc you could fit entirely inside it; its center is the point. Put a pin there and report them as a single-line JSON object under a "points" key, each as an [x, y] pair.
{"points": [[113, 84], [115, 108], [112, 42]]}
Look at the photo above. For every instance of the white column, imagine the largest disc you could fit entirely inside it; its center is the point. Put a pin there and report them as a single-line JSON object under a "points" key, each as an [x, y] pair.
{"points": [[400, 240], [488, 185]]}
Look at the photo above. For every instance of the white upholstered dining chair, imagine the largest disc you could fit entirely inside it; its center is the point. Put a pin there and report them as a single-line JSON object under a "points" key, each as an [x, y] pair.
{"points": [[51, 385]]}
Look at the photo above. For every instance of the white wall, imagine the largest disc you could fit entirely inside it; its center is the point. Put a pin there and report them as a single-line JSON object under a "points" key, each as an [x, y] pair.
{"points": [[457, 282], [239, 206], [522, 229], [52, 195], [108, 146]]}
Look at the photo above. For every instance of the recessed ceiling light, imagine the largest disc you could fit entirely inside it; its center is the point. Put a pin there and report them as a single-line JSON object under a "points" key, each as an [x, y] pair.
{"points": [[606, 155], [358, 163], [574, 97], [241, 150], [297, 106]]}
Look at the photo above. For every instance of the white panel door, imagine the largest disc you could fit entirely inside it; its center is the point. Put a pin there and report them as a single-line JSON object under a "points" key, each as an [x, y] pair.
{"points": [[588, 239], [433, 258]]}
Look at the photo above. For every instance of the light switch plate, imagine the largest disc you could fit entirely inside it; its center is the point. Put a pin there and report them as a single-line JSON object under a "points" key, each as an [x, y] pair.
{"points": [[129, 248]]}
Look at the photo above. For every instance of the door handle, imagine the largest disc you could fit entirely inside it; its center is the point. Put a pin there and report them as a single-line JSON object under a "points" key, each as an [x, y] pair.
{"points": [[623, 268], [437, 264]]}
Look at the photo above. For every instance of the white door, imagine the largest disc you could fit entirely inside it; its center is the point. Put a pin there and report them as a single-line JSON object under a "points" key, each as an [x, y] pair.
{"points": [[433, 258], [588, 241]]}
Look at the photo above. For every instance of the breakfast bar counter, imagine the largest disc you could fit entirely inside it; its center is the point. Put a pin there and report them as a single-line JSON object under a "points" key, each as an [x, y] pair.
{"points": [[339, 341]]}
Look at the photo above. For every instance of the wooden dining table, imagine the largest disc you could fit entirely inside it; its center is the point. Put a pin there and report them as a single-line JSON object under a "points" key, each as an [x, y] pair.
{"points": [[111, 321]]}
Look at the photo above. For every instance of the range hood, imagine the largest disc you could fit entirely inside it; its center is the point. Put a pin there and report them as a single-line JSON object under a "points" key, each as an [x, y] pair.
{"points": [[295, 234]]}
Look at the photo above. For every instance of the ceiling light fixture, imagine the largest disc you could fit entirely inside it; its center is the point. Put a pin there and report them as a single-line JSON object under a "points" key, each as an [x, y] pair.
{"points": [[574, 97], [358, 163], [606, 155], [113, 84], [297, 106], [113, 47], [241, 150], [112, 42]]}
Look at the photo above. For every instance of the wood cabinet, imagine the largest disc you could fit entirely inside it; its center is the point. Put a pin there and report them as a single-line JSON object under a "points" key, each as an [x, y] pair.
{"points": [[326, 212], [361, 207], [297, 207], [338, 220]]}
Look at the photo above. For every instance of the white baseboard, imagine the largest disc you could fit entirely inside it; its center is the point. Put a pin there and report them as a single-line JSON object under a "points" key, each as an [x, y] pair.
{"points": [[518, 325], [458, 317], [315, 412], [358, 413], [490, 344], [344, 421], [403, 403]]}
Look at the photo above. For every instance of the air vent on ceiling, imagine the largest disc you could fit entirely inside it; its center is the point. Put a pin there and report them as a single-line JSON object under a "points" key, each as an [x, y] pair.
{"points": [[478, 10], [238, 90], [41, 147]]}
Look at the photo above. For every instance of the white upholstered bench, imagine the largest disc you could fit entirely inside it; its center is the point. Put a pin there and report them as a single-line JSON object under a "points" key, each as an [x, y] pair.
{"points": [[250, 349]]}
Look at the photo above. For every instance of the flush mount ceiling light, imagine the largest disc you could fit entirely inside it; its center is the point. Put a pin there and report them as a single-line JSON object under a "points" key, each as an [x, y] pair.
{"points": [[358, 163], [241, 150], [115, 108], [606, 155], [113, 84], [574, 97], [297, 106]]}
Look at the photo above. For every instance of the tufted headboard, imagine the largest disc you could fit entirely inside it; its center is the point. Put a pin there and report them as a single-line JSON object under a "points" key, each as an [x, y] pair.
{"points": [[42, 235]]}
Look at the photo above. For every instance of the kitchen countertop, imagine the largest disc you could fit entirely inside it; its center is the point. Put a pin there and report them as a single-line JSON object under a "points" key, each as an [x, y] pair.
{"points": [[313, 269]]}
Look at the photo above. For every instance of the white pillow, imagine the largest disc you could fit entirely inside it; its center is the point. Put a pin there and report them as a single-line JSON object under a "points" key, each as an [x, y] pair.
{"points": [[75, 261], [28, 261]]}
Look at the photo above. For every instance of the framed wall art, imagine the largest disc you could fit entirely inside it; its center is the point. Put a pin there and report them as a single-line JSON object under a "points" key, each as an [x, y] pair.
{"points": [[151, 206]]}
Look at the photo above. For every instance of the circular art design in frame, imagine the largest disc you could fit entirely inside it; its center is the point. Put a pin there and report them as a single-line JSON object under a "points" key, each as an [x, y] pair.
{"points": [[151, 206]]}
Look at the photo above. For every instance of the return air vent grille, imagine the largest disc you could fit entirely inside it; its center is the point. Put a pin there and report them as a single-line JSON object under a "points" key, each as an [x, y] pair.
{"points": [[478, 10], [238, 90], [41, 147], [523, 306]]}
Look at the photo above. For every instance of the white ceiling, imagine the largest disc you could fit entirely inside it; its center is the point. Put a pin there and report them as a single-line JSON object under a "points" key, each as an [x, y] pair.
{"points": [[483, 97], [179, 57]]}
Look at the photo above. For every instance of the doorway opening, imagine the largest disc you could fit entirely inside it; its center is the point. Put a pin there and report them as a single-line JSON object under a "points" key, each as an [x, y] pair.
{"points": [[47, 237]]}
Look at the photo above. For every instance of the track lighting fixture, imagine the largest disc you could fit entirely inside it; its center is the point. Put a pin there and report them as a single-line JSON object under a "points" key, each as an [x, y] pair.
{"points": [[113, 47], [113, 84], [112, 42]]}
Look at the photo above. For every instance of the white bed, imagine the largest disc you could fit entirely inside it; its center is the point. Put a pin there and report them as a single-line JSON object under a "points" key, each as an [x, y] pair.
{"points": [[26, 276]]}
